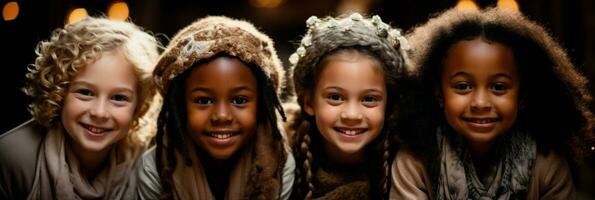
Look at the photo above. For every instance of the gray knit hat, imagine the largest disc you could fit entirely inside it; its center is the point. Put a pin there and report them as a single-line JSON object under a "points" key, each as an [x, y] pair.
{"points": [[328, 34]]}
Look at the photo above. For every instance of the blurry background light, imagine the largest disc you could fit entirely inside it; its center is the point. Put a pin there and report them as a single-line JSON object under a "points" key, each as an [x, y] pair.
{"points": [[76, 15], [10, 11], [508, 4], [466, 5], [266, 3], [118, 11]]}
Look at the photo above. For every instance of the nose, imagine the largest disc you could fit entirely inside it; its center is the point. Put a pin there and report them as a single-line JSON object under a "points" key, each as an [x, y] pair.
{"points": [[221, 113], [481, 101], [351, 113], [100, 110]]}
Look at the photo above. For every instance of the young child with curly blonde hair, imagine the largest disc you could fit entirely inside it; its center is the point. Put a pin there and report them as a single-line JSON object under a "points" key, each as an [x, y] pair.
{"points": [[91, 106]]}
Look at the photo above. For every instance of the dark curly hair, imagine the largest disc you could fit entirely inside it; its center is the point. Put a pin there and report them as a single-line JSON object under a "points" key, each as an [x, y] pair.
{"points": [[556, 101], [323, 40]]}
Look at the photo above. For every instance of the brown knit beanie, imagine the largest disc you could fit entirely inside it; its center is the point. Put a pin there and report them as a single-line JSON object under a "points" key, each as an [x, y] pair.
{"points": [[210, 36]]}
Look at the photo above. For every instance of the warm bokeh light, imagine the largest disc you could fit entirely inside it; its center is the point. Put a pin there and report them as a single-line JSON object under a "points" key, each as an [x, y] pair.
{"points": [[508, 4], [10, 11], [266, 3], [76, 15], [118, 11], [350, 6], [466, 5]]}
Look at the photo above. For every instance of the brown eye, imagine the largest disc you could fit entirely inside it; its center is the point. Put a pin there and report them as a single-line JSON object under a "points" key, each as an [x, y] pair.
{"points": [[499, 88], [370, 99], [462, 86], [84, 92], [120, 98], [203, 100], [334, 97], [239, 100]]}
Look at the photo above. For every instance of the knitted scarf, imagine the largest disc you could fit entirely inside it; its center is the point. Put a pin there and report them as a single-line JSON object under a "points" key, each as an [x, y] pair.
{"points": [[510, 176], [58, 175], [257, 174]]}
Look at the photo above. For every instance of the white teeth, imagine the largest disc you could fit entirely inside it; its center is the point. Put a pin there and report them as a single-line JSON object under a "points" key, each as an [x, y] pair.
{"points": [[96, 130], [351, 132], [221, 136], [482, 121]]}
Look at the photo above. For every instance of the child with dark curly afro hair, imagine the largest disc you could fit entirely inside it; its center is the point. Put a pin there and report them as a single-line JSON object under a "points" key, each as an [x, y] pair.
{"points": [[498, 111]]}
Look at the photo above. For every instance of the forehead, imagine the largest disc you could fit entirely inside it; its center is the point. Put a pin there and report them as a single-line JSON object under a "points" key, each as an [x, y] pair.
{"points": [[351, 71], [222, 71], [478, 55], [111, 68]]}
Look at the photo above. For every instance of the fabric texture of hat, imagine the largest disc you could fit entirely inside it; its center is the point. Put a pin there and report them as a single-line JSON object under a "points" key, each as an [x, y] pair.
{"points": [[213, 35]]}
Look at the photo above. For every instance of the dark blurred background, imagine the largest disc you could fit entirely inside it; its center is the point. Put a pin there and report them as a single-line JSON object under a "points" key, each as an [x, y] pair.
{"points": [[25, 23]]}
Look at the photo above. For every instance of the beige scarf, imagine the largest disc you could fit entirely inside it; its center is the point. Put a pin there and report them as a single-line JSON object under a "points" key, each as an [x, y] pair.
{"points": [[58, 174], [256, 175]]}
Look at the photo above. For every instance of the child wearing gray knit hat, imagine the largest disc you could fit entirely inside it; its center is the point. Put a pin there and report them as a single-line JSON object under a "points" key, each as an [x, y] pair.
{"points": [[347, 72]]}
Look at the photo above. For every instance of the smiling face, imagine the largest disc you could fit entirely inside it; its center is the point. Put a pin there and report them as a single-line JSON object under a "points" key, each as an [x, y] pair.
{"points": [[221, 102], [348, 103], [100, 103], [480, 89]]}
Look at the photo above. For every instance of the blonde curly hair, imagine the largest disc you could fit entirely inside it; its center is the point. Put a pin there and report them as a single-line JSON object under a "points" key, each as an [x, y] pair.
{"points": [[61, 57]]}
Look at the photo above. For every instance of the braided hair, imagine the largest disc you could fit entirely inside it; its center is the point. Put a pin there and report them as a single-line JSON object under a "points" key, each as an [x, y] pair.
{"points": [[332, 36]]}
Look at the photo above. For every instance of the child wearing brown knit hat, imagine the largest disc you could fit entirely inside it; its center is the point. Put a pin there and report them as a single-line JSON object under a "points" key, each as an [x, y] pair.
{"points": [[347, 74], [218, 133]]}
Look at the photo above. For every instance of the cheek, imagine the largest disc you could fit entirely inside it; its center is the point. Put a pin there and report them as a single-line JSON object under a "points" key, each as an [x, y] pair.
{"points": [[326, 114], [196, 120], [454, 104], [508, 107], [376, 116], [247, 116], [124, 115], [72, 108]]}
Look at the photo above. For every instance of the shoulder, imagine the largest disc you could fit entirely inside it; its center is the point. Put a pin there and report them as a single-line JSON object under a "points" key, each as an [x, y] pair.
{"points": [[409, 178], [406, 160], [149, 184], [18, 156], [551, 177], [288, 176], [21, 143]]}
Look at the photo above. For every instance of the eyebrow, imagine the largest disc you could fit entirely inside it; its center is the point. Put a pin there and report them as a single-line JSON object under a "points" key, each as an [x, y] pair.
{"points": [[236, 89], [467, 75], [505, 75], [365, 91], [89, 84]]}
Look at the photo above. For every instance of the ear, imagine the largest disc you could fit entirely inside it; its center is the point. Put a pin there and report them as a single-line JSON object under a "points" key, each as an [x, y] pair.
{"points": [[308, 101]]}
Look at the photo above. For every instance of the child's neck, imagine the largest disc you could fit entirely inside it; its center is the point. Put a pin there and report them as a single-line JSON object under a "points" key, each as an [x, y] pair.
{"points": [[218, 172], [337, 156], [90, 163], [484, 158]]}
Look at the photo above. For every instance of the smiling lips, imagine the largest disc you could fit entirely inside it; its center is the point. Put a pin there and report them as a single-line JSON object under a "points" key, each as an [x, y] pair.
{"points": [[350, 131], [481, 124], [94, 129], [222, 135]]}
